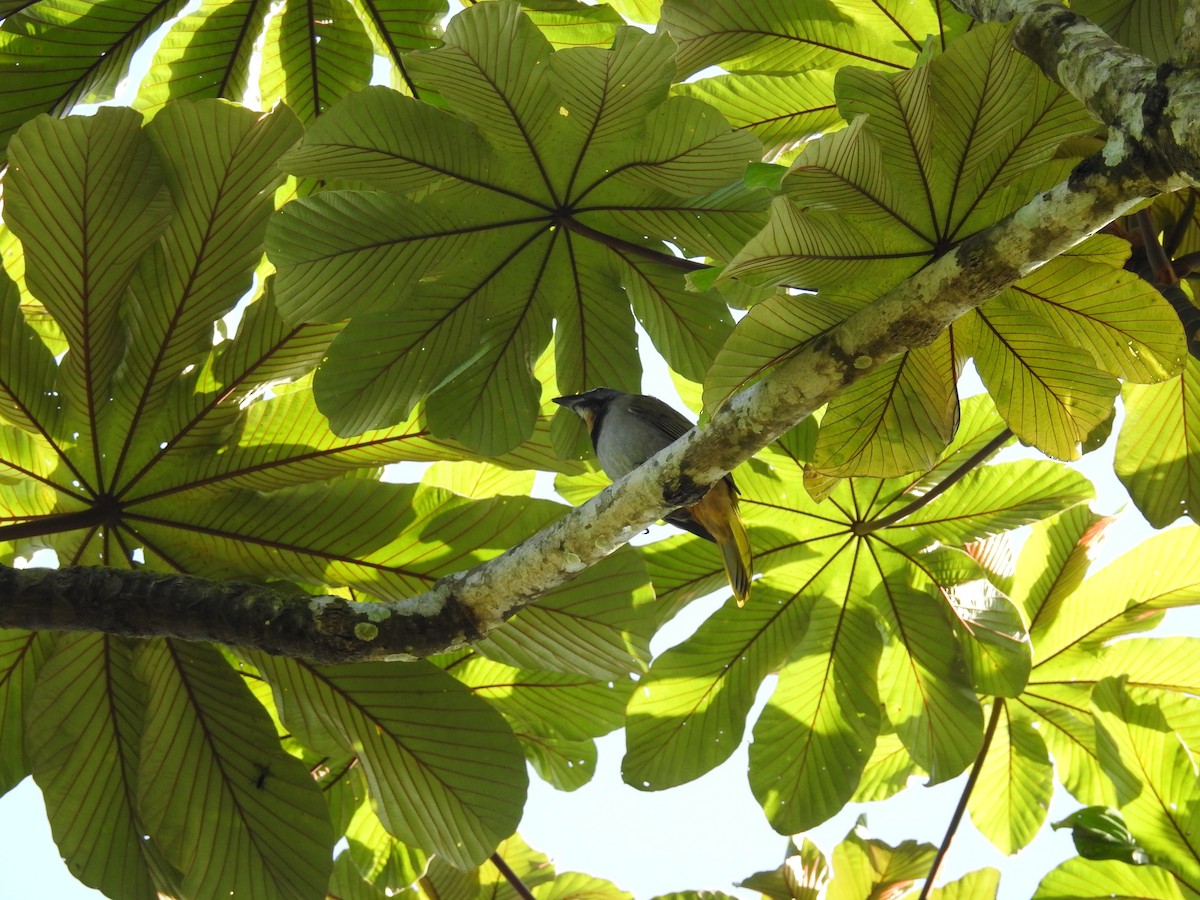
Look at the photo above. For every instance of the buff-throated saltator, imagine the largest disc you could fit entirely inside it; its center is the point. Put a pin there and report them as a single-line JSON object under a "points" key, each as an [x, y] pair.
{"points": [[626, 430]]}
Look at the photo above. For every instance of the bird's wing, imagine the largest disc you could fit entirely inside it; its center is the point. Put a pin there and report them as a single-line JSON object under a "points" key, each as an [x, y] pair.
{"points": [[683, 519], [673, 424], [662, 417]]}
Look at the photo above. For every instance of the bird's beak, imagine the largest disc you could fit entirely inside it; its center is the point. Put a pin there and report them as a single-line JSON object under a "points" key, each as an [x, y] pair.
{"points": [[568, 401]]}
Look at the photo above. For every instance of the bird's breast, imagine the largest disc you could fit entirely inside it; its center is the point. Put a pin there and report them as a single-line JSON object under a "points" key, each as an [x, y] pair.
{"points": [[625, 443]]}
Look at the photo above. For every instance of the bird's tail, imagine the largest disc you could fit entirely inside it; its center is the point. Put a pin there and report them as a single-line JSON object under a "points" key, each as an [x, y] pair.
{"points": [[735, 553], [717, 512]]}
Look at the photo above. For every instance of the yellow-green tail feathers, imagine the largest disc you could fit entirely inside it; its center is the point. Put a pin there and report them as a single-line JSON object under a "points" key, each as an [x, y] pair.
{"points": [[737, 558]]}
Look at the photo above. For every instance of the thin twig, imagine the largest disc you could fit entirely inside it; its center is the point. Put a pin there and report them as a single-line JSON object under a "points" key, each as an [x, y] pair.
{"points": [[1174, 237], [1161, 270], [944, 485], [997, 709], [511, 877], [1186, 264]]}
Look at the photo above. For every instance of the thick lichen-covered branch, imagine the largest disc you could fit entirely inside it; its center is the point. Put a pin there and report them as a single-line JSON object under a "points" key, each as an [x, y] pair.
{"points": [[471, 604], [278, 620], [910, 315], [1152, 110], [1189, 34]]}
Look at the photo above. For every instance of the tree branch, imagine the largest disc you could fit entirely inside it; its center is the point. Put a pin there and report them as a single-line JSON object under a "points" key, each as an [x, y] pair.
{"points": [[468, 605], [1153, 111], [1189, 35], [274, 619]]}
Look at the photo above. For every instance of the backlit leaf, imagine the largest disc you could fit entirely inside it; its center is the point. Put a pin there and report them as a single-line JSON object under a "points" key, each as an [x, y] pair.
{"points": [[1015, 783], [444, 770], [206, 736], [1156, 456]]}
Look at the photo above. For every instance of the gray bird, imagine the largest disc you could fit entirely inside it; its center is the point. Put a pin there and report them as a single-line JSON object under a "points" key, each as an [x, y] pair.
{"points": [[626, 430]]}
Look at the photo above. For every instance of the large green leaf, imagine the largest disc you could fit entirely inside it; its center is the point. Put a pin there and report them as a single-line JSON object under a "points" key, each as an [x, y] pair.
{"points": [[206, 737], [31, 445], [1052, 395], [397, 27], [86, 198], [21, 655], [779, 110], [981, 884], [769, 37], [371, 244], [803, 874], [1111, 314], [347, 883], [1085, 879], [29, 489], [1157, 450], [1153, 774], [1128, 595], [444, 770], [867, 867], [26, 362], [214, 463], [526, 201], [817, 249], [1150, 29], [563, 205], [923, 684], [1072, 623], [989, 627], [826, 708], [181, 415], [549, 703], [386, 539], [285, 442], [56, 53], [87, 730], [1001, 497], [769, 333], [914, 396], [221, 170], [870, 205], [1166, 663], [381, 859], [488, 881], [947, 631], [554, 715], [1054, 561], [569, 885], [316, 52], [599, 624], [689, 713], [888, 770], [1010, 799], [395, 144], [205, 54]]}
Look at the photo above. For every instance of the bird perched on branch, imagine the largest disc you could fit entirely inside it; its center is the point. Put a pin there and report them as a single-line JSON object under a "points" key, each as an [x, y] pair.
{"points": [[626, 430]]}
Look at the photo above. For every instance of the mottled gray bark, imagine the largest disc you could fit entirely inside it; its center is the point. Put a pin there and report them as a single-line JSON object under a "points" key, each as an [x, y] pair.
{"points": [[1152, 110]]}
